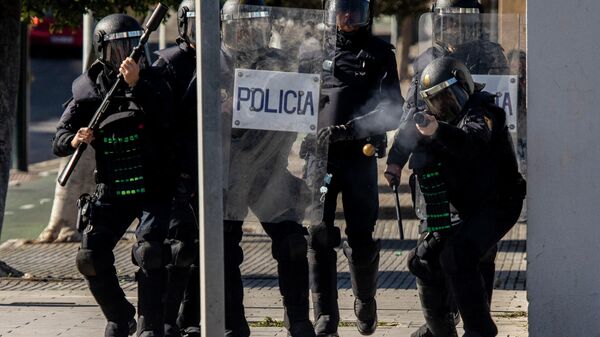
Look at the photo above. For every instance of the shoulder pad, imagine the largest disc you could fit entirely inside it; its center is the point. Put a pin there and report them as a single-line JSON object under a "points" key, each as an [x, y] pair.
{"points": [[170, 54], [84, 88]]}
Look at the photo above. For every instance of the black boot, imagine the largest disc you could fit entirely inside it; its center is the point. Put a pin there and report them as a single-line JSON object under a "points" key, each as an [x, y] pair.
{"points": [[289, 249], [364, 266], [123, 329], [177, 280], [243, 330], [191, 332], [439, 310], [323, 283], [297, 322], [472, 302], [189, 312], [235, 316], [151, 284], [110, 297]]}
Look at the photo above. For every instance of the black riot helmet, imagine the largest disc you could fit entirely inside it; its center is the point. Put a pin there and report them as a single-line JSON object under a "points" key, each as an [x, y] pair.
{"points": [[445, 86], [245, 25], [186, 25], [348, 14], [456, 21], [115, 36]]}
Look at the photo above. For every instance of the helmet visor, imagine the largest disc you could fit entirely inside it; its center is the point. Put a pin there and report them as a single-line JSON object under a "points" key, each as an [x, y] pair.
{"points": [[348, 13], [456, 29], [447, 102], [118, 46], [246, 30]]}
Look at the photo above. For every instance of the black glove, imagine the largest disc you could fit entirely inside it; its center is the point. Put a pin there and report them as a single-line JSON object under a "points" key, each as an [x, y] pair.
{"points": [[335, 133]]}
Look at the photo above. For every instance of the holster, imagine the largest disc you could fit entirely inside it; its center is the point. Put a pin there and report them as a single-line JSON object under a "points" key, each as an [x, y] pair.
{"points": [[84, 211]]}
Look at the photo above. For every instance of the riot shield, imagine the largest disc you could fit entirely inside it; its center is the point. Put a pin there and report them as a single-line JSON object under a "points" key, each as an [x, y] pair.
{"points": [[272, 63], [482, 42]]}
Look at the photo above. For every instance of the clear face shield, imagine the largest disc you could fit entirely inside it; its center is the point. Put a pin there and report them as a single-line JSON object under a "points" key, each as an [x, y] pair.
{"points": [[445, 100], [455, 26], [348, 15], [118, 46], [251, 27]]}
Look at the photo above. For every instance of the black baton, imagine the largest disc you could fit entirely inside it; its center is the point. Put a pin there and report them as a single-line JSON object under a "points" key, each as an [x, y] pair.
{"points": [[398, 215]]}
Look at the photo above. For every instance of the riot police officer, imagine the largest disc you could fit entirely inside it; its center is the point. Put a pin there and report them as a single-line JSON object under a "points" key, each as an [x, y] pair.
{"points": [[467, 188], [134, 178], [255, 159], [178, 65], [361, 101], [457, 31]]}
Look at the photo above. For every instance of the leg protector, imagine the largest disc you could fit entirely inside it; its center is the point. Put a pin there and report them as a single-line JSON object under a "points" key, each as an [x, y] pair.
{"points": [[460, 263], [151, 257], [441, 315], [364, 266], [183, 253], [94, 262], [487, 267], [292, 267], [110, 297], [151, 285], [177, 280], [189, 311], [97, 268], [322, 262], [235, 316]]}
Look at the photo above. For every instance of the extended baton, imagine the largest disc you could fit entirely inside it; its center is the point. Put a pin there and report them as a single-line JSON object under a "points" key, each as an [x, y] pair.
{"points": [[395, 184], [155, 19]]}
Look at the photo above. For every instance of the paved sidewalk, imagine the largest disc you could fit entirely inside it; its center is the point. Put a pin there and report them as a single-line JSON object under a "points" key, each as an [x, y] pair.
{"points": [[52, 300]]}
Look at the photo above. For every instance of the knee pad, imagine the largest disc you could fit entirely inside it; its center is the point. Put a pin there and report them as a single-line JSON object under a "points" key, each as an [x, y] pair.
{"points": [[418, 267], [362, 254], [183, 253], [92, 263], [322, 236], [291, 248], [150, 255]]}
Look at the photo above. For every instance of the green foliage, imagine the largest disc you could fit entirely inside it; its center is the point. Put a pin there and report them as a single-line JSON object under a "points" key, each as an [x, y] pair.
{"points": [[401, 8], [69, 12]]}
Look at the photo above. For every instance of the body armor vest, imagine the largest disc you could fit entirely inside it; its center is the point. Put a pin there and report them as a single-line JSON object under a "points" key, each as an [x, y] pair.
{"points": [[119, 151]]}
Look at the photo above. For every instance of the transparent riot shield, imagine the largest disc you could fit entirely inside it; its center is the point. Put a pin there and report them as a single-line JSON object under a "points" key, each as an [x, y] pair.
{"points": [[484, 43], [272, 63]]}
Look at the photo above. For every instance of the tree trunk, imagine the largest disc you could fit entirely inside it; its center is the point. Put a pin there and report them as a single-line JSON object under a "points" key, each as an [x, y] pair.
{"points": [[10, 27], [407, 24], [61, 227]]}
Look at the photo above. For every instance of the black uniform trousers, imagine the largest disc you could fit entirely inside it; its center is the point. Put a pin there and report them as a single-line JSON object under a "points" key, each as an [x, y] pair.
{"points": [[460, 261], [109, 222], [354, 175], [293, 273], [182, 297]]}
